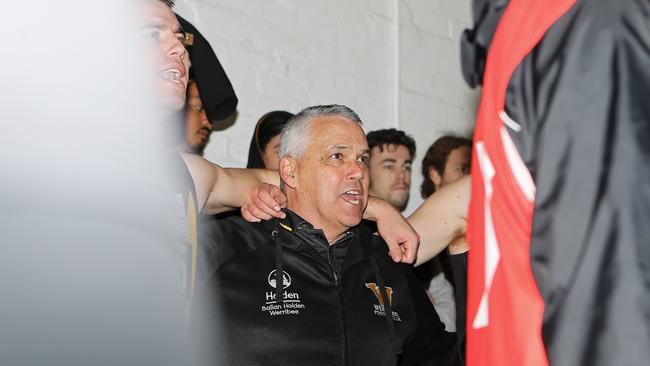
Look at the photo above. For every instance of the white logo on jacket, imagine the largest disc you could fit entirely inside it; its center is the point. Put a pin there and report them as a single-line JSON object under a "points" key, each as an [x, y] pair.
{"points": [[291, 303], [286, 279]]}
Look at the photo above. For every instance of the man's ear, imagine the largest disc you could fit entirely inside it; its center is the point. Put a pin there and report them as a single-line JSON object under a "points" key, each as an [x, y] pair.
{"points": [[435, 177], [288, 170]]}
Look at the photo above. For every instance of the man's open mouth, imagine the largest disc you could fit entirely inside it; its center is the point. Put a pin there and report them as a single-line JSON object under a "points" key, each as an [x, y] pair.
{"points": [[171, 75], [352, 197]]}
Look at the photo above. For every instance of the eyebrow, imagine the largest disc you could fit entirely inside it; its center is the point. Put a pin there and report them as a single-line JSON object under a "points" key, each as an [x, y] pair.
{"points": [[179, 29], [155, 24], [391, 160], [341, 147]]}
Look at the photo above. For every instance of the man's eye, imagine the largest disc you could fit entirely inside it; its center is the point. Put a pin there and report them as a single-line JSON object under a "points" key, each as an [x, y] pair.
{"points": [[364, 159], [389, 167], [153, 36], [336, 156], [181, 36], [407, 168]]}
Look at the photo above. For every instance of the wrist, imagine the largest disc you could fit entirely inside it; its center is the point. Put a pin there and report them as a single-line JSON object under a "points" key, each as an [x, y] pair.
{"points": [[374, 208]]}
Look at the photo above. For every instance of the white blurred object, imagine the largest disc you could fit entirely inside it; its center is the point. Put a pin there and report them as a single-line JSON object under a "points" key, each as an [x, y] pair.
{"points": [[87, 276]]}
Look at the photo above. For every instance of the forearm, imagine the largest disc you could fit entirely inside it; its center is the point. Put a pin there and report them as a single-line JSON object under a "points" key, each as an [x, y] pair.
{"points": [[441, 219], [232, 187], [375, 207]]}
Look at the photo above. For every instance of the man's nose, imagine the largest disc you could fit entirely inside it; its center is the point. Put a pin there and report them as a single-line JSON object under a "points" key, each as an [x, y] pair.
{"points": [[205, 121], [357, 170], [401, 174], [176, 49]]}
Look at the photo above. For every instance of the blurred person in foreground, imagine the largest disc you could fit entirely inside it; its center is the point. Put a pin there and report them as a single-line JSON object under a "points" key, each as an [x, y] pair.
{"points": [[560, 205]]}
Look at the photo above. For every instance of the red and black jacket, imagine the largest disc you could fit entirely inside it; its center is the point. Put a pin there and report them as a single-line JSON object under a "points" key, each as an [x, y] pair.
{"points": [[565, 94]]}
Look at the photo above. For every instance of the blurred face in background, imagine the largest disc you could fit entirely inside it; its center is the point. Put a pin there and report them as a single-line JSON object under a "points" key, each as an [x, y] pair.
{"points": [[197, 125], [271, 153], [162, 32], [390, 174], [456, 167]]}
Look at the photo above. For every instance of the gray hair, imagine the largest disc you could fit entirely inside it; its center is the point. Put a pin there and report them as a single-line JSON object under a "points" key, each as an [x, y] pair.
{"points": [[295, 134]]}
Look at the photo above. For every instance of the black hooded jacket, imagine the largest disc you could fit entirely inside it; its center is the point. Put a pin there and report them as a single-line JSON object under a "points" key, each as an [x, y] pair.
{"points": [[332, 312]]}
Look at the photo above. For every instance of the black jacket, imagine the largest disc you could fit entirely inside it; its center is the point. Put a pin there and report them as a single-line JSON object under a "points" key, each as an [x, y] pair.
{"points": [[333, 295]]}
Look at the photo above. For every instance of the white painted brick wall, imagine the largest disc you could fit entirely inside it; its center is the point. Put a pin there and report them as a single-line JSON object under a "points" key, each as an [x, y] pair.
{"points": [[394, 62]]}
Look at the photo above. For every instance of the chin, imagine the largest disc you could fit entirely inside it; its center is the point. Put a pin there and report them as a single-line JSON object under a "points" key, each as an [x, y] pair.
{"points": [[350, 220], [399, 202]]}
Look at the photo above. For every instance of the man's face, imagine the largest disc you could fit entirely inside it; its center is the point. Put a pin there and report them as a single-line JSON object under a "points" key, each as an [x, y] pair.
{"points": [[332, 176], [197, 125], [390, 174], [163, 33], [457, 166]]}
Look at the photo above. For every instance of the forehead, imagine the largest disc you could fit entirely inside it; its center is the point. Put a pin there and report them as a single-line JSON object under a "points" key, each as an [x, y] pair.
{"points": [[327, 131], [459, 154], [155, 11], [390, 151]]}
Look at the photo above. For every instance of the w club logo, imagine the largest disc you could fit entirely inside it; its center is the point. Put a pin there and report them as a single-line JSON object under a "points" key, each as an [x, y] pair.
{"points": [[375, 290]]}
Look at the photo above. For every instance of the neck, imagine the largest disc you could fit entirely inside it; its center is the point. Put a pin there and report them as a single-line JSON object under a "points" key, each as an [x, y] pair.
{"points": [[332, 231]]}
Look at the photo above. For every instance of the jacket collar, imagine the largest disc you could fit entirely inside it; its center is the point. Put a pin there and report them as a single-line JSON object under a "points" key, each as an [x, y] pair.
{"points": [[295, 224], [300, 235]]}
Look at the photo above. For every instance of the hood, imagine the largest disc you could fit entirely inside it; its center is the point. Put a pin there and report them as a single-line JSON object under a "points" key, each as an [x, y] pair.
{"points": [[475, 42]]}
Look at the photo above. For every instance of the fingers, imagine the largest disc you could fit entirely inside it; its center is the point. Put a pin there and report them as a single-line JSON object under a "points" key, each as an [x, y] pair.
{"points": [[279, 196], [267, 206], [251, 213], [404, 250], [410, 248], [395, 251], [264, 203]]}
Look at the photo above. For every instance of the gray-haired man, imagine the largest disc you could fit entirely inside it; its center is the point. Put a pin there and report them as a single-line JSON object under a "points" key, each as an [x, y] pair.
{"points": [[315, 287]]}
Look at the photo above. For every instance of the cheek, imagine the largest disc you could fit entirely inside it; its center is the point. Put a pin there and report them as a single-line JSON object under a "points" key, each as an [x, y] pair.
{"points": [[271, 161], [453, 176], [191, 122]]}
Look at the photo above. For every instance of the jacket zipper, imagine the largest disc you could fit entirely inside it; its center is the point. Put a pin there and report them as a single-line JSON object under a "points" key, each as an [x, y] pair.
{"points": [[337, 284]]}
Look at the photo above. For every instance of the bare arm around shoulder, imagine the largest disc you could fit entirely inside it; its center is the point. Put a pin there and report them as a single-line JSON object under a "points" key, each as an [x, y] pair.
{"points": [[441, 218], [222, 189]]}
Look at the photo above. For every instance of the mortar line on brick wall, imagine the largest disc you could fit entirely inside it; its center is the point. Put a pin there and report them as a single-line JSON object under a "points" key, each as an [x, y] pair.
{"points": [[396, 67]]}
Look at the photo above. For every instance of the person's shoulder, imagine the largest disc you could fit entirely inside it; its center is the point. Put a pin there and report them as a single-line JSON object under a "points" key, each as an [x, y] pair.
{"points": [[229, 236], [612, 17]]}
